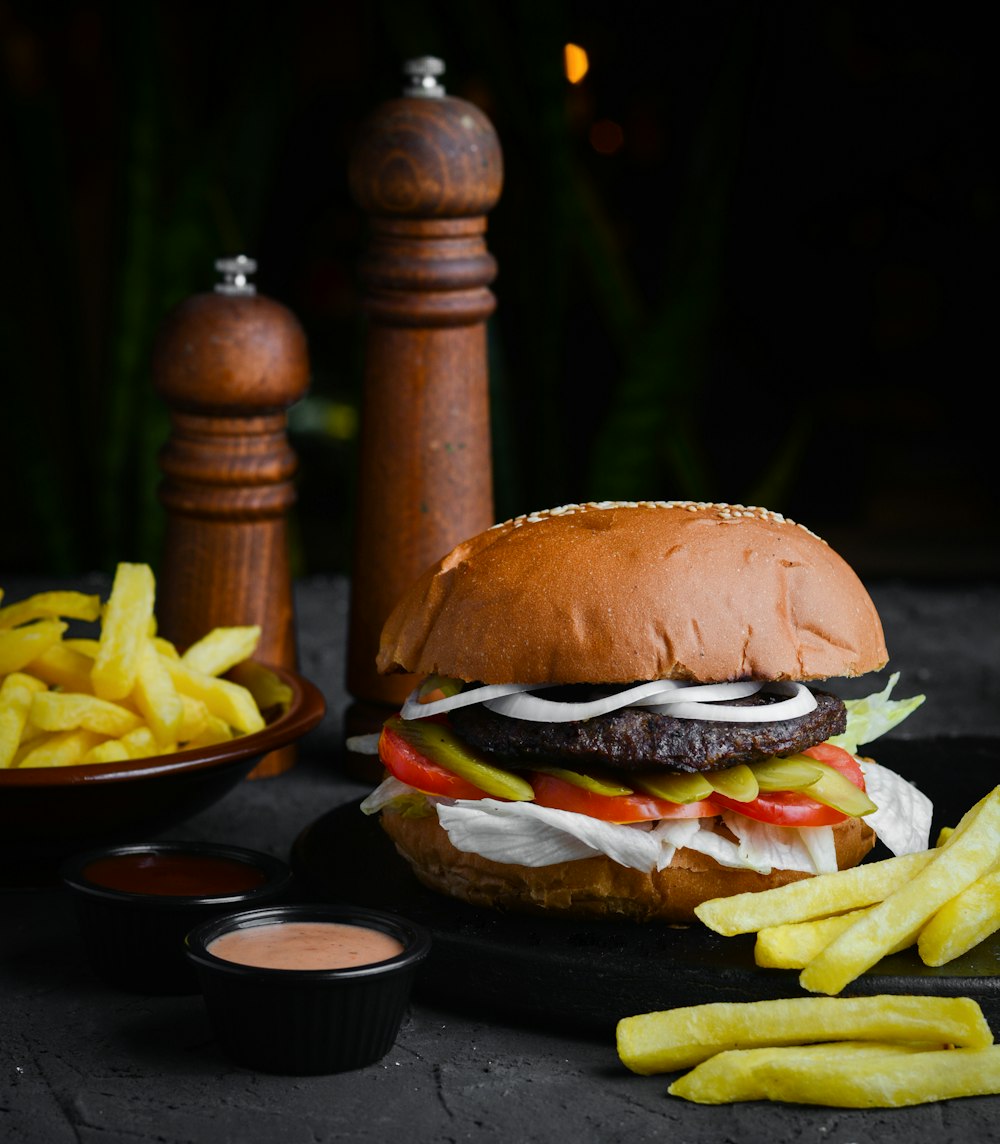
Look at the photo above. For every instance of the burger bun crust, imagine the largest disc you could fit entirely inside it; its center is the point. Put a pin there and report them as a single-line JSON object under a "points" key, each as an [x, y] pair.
{"points": [[623, 591], [590, 887]]}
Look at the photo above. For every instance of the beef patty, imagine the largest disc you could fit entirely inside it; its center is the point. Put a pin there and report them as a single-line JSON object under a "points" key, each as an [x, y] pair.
{"points": [[634, 738]]}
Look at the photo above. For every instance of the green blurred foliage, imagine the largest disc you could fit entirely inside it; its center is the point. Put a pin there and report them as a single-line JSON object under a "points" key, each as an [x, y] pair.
{"points": [[768, 292]]}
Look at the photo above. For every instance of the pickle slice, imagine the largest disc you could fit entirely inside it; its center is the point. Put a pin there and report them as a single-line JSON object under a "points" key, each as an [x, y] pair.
{"points": [[608, 787], [438, 687], [829, 787], [674, 787], [738, 783], [793, 773], [440, 744], [833, 789]]}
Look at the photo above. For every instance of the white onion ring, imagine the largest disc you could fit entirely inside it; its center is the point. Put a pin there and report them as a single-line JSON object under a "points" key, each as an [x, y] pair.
{"points": [[671, 693], [538, 710], [661, 696], [702, 693], [800, 702], [413, 709]]}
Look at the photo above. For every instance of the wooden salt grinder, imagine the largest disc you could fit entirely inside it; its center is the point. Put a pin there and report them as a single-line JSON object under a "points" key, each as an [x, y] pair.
{"points": [[228, 364], [426, 168]]}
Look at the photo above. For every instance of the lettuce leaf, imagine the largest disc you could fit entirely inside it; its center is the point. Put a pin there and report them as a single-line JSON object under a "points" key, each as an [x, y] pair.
{"points": [[764, 847], [874, 715], [526, 834], [902, 820], [403, 798]]}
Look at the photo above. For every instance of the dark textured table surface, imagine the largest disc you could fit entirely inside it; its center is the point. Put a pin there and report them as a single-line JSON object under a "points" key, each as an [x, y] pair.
{"points": [[80, 1062]]}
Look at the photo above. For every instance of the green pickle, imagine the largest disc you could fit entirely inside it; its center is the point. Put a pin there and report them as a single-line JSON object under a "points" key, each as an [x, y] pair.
{"points": [[827, 785], [793, 773], [607, 787], [739, 783], [443, 683], [440, 744], [683, 788]]}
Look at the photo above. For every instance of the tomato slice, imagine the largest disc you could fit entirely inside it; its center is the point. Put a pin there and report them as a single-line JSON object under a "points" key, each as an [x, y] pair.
{"points": [[793, 808], [560, 795], [404, 762]]}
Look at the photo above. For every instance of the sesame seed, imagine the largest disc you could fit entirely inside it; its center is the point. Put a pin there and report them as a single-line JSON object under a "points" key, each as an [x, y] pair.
{"points": [[727, 512]]}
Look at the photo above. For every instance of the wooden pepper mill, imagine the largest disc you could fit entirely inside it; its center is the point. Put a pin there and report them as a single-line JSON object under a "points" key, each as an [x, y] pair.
{"points": [[426, 168], [229, 363]]}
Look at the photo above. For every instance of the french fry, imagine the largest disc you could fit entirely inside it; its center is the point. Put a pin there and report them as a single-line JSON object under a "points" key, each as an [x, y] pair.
{"points": [[962, 922], [63, 666], [968, 854], [142, 743], [221, 649], [794, 944], [165, 647], [66, 711], [678, 1038], [156, 697], [19, 646], [266, 688], [87, 647], [29, 742], [60, 749], [51, 606], [110, 751], [214, 731], [229, 701], [194, 719], [125, 693], [124, 629], [815, 897], [843, 1075], [16, 694]]}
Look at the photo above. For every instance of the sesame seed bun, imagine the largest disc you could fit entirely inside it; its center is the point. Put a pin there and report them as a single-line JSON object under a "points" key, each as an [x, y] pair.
{"points": [[591, 887], [624, 591]]}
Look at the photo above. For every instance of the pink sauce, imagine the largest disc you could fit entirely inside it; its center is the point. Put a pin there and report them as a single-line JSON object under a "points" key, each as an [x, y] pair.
{"points": [[306, 945]]}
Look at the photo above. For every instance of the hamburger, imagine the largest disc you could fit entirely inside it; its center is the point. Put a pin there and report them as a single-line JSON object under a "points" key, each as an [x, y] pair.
{"points": [[622, 712]]}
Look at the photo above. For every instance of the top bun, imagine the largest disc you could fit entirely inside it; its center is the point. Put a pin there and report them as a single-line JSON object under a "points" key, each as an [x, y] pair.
{"points": [[623, 591]]}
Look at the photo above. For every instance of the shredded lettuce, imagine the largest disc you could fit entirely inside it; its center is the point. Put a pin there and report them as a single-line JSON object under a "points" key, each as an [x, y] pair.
{"points": [[765, 847], [403, 798], [902, 820], [526, 834], [874, 715], [363, 744], [530, 835]]}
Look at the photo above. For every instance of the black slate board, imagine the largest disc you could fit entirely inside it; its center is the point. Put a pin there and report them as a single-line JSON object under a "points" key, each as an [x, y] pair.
{"points": [[585, 975]]}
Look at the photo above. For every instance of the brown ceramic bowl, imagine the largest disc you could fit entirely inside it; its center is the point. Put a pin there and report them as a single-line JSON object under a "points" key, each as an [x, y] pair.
{"points": [[48, 813]]}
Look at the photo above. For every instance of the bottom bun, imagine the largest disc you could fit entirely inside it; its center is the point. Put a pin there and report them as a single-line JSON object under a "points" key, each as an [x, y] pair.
{"points": [[591, 887]]}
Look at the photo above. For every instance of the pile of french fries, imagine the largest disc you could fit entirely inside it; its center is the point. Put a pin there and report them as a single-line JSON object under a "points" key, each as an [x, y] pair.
{"points": [[853, 1052], [834, 927], [125, 693], [846, 1052]]}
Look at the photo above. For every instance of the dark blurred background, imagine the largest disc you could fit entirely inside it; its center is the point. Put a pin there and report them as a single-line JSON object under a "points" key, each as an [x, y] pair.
{"points": [[749, 256]]}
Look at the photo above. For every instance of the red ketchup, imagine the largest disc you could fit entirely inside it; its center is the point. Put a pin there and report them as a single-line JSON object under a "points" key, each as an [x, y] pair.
{"points": [[174, 874]]}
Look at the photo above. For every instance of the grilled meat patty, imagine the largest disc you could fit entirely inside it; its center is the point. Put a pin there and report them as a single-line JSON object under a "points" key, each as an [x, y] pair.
{"points": [[636, 739]]}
